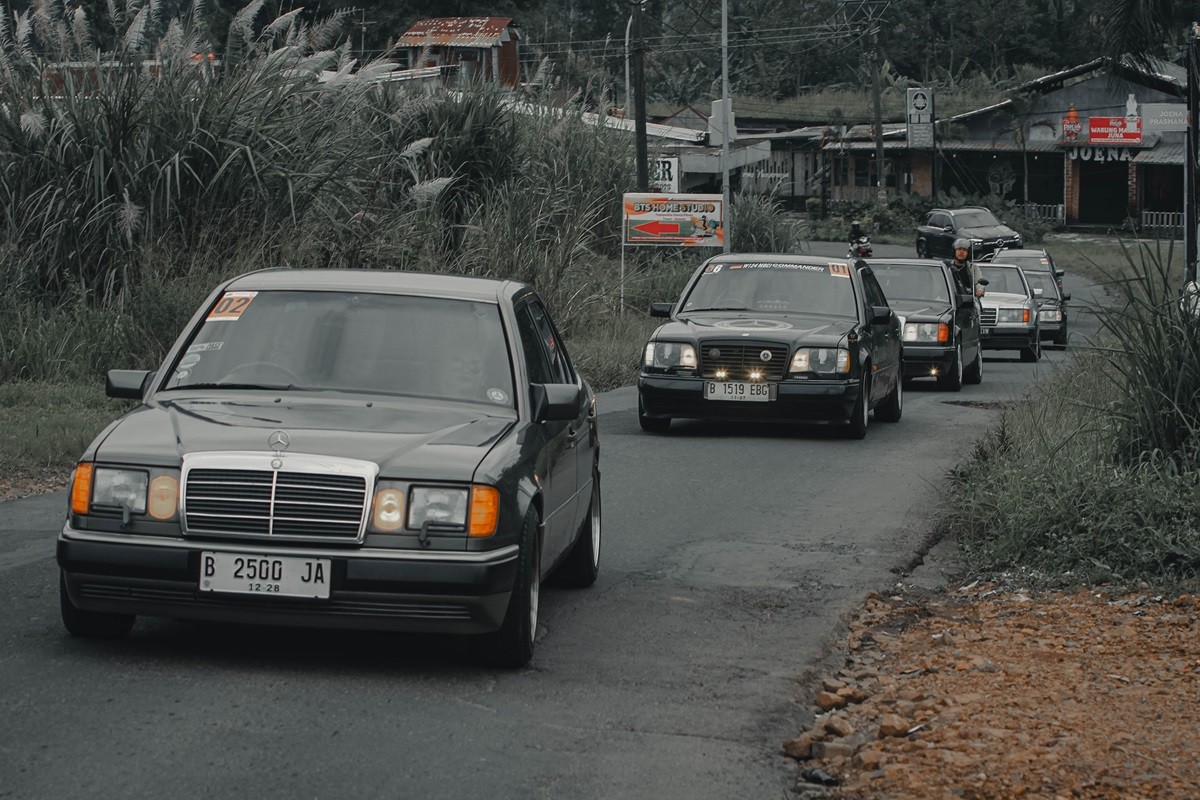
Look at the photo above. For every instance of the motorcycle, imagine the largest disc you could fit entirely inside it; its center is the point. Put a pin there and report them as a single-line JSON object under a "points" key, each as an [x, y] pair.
{"points": [[861, 248]]}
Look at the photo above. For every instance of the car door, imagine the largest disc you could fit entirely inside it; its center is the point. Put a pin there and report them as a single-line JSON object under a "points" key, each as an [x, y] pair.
{"points": [[941, 240], [886, 336], [561, 471], [967, 319]]}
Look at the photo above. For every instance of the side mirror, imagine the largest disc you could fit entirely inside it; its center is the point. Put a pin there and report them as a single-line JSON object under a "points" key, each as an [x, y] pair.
{"points": [[948, 229], [661, 309], [127, 384], [553, 401], [1058, 273], [880, 315], [1066, 297], [966, 301]]}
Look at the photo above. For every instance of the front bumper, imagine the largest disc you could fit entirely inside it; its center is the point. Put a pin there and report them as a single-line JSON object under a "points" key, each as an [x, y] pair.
{"points": [[1002, 337], [796, 401], [375, 589], [921, 361]]}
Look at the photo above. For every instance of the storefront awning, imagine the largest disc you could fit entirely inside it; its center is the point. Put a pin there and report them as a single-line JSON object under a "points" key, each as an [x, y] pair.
{"points": [[1173, 154]]}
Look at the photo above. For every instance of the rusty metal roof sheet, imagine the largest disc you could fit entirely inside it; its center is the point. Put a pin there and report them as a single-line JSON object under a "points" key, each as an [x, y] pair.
{"points": [[457, 32]]}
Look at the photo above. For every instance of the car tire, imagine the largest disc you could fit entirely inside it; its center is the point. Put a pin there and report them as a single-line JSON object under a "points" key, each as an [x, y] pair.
{"points": [[582, 565], [91, 624], [857, 427], [512, 645], [922, 248], [974, 373], [1060, 338], [1031, 354], [952, 381], [891, 409], [652, 424]]}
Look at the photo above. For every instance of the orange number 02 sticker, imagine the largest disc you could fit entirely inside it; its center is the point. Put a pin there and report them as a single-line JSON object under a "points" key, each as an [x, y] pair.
{"points": [[231, 306]]}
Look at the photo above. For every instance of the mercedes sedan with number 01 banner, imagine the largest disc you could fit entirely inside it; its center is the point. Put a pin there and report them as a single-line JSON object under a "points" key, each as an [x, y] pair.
{"points": [[350, 449], [769, 337]]}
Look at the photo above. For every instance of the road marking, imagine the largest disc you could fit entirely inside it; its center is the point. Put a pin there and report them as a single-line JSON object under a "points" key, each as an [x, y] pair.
{"points": [[28, 554]]}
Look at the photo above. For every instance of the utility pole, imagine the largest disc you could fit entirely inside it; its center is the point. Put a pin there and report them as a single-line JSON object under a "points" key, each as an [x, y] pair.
{"points": [[628, 94], [877, 97], [639, 87], [727, 110], [1193, 151]]}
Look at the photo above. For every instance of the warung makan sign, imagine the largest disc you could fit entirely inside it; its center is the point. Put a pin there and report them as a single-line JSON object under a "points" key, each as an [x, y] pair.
{"points": [[674, 220], [1115, 130]]}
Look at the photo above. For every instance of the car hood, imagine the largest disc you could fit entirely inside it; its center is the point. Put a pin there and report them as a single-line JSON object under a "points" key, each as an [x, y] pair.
{"points": [[919, 309], [997, 299], [417, 439], [988, 232], [758, 327]]}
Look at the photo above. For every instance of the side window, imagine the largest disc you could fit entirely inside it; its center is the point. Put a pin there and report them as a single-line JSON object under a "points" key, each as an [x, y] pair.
{"points": [[536, 363], [560, 370], [875, 294]]}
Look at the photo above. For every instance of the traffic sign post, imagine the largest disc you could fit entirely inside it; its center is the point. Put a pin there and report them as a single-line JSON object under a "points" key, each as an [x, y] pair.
{"points": [[670, 220]]}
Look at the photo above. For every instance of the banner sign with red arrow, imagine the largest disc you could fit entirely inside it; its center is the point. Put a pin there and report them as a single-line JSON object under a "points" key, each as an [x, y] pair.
{"points": [[675, 220]]}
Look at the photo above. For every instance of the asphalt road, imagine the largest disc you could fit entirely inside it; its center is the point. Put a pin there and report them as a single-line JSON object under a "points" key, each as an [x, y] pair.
{"points": [[730, 554]]}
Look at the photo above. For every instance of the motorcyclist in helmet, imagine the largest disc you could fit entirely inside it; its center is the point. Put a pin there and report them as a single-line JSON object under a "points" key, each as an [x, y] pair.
{"points": [[855, 232], [966, 272]]}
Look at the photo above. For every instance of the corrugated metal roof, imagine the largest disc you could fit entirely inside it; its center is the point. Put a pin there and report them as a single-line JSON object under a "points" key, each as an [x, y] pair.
{"points": [[951, 146], [456, 32], [1173, 153]]}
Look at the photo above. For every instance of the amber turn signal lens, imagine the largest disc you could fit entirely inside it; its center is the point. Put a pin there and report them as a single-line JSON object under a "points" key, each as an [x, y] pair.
{"points": [[485, 510], [1025, 316], [163, 501], [943, 332], [81, 488], [388, 513]]}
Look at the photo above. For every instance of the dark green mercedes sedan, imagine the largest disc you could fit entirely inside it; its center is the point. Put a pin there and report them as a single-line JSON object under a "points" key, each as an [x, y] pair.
{"points": [[771, 337], [350, 449]]}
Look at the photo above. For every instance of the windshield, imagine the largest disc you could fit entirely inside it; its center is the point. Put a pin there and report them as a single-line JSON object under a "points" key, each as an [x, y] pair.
{"points": [[784, 288], [912, 282], [1005, 280], [350, 342], [1029, 263], [1044, 281], [975, 219]]}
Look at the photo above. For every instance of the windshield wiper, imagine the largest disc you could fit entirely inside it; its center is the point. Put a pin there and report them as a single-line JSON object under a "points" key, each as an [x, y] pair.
{"points": [[262, 386], [717, 308]]}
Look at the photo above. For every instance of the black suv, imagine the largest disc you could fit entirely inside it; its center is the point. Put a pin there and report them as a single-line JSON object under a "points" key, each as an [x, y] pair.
{"points": [[941, 226]]}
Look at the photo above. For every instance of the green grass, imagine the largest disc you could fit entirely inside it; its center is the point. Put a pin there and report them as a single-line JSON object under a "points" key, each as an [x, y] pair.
{"points": [[1101, 262], [1094, 477], [48, 424]]}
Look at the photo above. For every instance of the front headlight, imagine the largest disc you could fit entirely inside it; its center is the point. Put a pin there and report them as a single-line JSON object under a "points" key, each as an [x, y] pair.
{"points": [[120, 489], [926, 332], [1050, 315], [1013, 315], [437, 505], [669, 355], [821, 359]]}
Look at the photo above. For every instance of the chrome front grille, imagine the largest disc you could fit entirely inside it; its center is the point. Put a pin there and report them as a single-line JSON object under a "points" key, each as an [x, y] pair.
{"points": [[739, 359], [987, 316], [308, 498]]}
